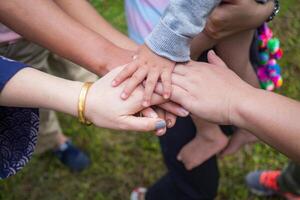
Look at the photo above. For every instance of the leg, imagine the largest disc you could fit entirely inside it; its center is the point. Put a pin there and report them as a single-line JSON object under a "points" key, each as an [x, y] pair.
{"points": [[201, 183], [235, 53], [209, 140]]}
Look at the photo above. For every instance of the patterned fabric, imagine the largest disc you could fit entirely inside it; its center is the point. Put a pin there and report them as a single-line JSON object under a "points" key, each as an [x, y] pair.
{"points": [[18, 127], [18, 137], [142, 16]]}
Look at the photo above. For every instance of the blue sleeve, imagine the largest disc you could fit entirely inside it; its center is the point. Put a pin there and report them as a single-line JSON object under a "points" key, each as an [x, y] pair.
{"points": [[8, 68]]}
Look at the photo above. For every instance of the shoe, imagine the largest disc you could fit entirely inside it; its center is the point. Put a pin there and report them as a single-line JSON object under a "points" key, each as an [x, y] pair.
{"points": [[264, 183], [72, 157], [138, 194]]}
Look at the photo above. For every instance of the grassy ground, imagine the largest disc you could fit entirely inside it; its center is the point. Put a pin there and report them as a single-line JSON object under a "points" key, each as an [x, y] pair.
{"points": [[122, 161]]}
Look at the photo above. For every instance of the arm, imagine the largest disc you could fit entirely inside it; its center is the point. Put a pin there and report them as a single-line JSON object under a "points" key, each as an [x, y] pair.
{"points": [[229, 19], [271, 117], [45, 23], [84, 13], [182, 21], [62, 95], [216, 94]]}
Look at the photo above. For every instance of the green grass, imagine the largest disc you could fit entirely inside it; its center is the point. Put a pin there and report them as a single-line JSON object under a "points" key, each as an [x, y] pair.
{"points": [[124, 160]]}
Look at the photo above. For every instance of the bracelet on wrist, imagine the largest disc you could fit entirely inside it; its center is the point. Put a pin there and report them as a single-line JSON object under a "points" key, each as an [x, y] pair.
{"points": [[276, 8], [81, 103]]}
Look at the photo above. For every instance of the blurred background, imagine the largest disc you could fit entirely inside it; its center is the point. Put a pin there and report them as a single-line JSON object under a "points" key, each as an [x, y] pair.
{"points": [[124, 160]]}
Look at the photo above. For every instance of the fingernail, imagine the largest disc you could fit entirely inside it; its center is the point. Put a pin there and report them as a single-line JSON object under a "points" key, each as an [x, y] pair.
{"points": [[146, 103], [183, 112], [160, 132], [179, 158], [166, 96], [212, 52], [114, 83], [123, 95], [169, 122], [160, 124]]}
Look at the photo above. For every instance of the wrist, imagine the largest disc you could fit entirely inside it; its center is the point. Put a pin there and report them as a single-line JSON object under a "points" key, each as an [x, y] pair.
{"points": [[242, 103], [67, 98]]}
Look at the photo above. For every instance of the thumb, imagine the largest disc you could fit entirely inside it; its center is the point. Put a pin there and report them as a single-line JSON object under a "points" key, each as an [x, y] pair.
{"points": [[132, 123], [215, 60]]}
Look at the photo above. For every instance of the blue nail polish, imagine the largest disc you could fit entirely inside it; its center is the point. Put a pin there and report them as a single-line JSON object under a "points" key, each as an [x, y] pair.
{"points": [[160, 125]]}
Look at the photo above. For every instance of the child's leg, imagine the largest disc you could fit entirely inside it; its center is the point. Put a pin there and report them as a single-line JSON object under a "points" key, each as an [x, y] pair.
{"points": [[235, 51], [209, 139]]}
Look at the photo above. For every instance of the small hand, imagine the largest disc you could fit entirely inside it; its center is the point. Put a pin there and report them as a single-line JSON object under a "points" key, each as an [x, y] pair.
{"points": [[146, 64]]}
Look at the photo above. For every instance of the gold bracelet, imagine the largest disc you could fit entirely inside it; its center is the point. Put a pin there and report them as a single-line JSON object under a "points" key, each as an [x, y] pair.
{"points": [[81, 103]]}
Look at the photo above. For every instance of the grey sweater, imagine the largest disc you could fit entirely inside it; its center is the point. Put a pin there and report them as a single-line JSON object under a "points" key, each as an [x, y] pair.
{"points": [[181, 22]]}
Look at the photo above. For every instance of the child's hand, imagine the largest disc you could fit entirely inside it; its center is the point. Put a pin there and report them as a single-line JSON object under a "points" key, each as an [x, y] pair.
{"points": [[146, 64]]}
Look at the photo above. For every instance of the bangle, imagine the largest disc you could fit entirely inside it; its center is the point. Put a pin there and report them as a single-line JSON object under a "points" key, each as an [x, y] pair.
{"points": [[81, 103], [275, 10]]}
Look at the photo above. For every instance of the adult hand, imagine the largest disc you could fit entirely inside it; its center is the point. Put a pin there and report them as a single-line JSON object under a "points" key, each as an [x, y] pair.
{"points": [[234, 16], [208, 90], [105, 108]]}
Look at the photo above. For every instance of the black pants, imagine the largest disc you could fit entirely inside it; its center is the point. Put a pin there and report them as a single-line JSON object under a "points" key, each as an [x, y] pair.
{"points": [[289, 180], [179, 184]]}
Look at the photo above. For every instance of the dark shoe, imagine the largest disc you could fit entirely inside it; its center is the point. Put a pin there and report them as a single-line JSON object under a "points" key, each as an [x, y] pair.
{"points": [[72, 157]]}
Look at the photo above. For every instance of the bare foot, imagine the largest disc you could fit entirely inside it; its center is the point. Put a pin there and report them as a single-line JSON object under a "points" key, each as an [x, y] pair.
{"points": [[238, 140], [209, 140]]}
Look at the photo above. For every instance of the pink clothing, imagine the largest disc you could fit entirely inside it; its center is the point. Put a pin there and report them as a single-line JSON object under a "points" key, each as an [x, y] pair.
{"points": [[7, 35]]}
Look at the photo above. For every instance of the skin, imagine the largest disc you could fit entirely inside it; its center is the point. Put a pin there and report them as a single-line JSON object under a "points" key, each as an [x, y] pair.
{"points": [[61, 95], [92, 51], [213, 92]]}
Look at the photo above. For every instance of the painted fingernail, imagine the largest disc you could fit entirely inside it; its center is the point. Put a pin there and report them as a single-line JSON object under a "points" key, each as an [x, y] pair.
{"points": [[123, 95], [160, 125], [183, 112]]}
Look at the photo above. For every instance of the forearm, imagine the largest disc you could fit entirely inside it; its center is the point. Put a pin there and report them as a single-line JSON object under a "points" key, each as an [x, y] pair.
{"points": [[45, 23], [182, 21], [84, 13], [32, 88], [272, 118]]}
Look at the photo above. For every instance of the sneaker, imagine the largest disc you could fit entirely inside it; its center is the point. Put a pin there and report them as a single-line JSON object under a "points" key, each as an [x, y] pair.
{"points": [[264, 183], [72, 157], [138, 194]]}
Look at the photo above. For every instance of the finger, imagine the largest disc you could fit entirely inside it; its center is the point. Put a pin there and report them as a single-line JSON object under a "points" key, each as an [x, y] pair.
{"points": [[125, 73], [151, 81], [175, 109], [178, 94], [215, 60], [133, 82], [149, 112], [166, 82], [170, 119], [180, 70], [162, 115], [180, 81], [132, 123]]}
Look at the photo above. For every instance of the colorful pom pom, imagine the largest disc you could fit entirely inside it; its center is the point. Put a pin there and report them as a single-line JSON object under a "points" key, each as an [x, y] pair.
{"points": [[269, 72]]}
